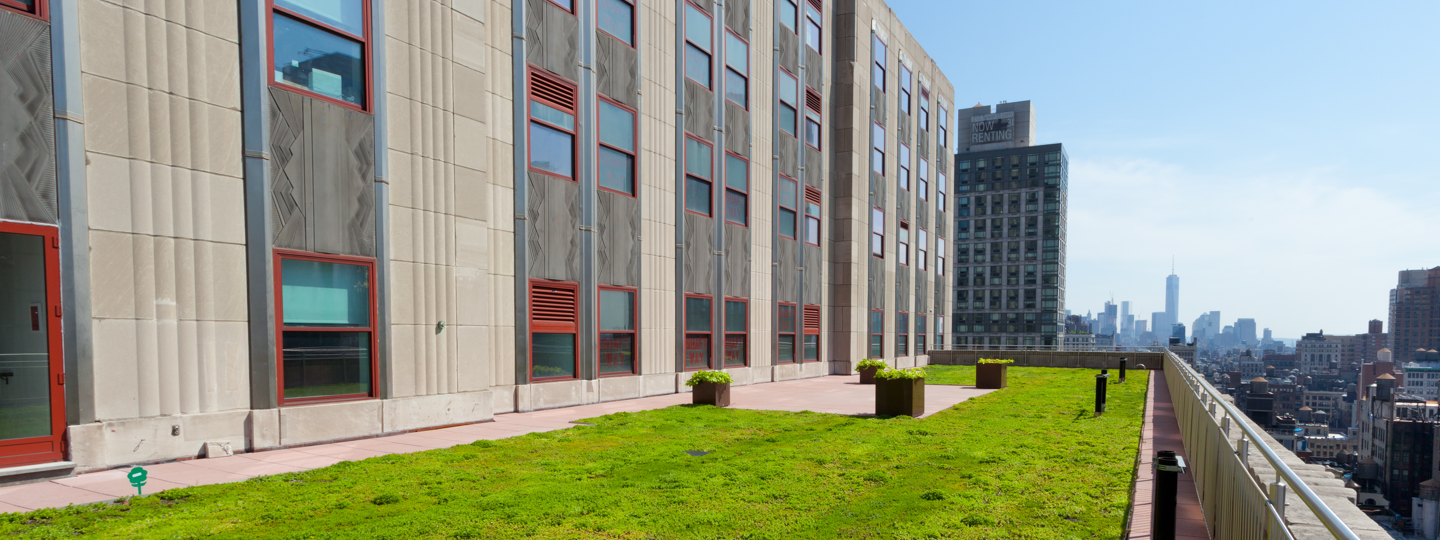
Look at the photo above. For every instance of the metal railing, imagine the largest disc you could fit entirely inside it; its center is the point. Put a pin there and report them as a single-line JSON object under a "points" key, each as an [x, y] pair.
{"points": [[1055, 348], [1235, 502]]}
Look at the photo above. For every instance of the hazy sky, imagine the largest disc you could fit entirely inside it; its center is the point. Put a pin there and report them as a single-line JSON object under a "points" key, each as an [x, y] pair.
{"points": [[1284, 152]]}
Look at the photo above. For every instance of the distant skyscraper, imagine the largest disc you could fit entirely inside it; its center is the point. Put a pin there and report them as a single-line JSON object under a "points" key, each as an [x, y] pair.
{"points": [[1415, 313], [1160, 324], [1245, 332], [1172, 297], [1107, 324], [1127, 323]]}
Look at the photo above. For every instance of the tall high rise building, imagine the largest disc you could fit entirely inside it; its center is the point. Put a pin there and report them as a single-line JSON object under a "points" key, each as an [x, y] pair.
{"points": [[1009, 230], [1415, 313], [1245, 332], [1127, 322], [1172, 297]]}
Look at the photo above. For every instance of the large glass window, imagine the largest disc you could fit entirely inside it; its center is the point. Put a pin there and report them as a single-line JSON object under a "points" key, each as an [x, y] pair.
{"points": [[813, 22], [903, 165], [920, 334], [617, 18], [554, 323], [698, 43], [29, 336], [617, 331], [616, 154], [552, 125], [905, 81], [939, 256], [812, 118], [789, 14], [737, 70], [327, 332], [924, 108], [812, 216], [697, 332], [812, 333], [788, 213], [698, 171], [922, 249], [877, 334], [789, 95], [737, 190], [924, 180], [320, 48], [944, 128], [33, 7], [877, 156], [940, 190], [877, 57], [902, 328], [877, 232], [736, 318], [786, 349], [902, 248]]}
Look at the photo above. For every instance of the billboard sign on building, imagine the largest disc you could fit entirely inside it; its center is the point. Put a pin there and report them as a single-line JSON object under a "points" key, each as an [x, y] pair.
{"points": [[992, 128]]}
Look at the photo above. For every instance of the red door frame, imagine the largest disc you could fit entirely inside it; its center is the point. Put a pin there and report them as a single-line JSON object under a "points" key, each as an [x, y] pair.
{"points": [[33, 450]]}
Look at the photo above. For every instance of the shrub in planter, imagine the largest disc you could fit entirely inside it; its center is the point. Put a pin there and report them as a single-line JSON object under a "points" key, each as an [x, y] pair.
{"points": [[900, 392], [711, 388], [867, 369], [991, 372]]}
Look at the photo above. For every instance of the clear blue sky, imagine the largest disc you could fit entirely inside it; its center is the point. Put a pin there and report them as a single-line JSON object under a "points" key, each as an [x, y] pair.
{"points": [[1284, 152]]}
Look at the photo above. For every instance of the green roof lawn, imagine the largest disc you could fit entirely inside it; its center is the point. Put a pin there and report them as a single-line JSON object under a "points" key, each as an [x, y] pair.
{"points": [[1029, 461]]}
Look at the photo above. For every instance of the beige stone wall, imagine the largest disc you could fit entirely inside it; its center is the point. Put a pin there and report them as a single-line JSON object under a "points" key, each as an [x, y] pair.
{"points": [[163, 152], [448, 85], [656, 30]]}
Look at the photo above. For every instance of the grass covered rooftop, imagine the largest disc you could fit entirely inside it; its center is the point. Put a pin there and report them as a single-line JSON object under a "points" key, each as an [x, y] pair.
{"points": [[1028, 461]]}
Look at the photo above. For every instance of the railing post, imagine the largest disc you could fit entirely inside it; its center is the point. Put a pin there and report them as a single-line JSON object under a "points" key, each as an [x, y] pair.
{"points": [[1277, 501], [1225, 425], [1242, 449]]}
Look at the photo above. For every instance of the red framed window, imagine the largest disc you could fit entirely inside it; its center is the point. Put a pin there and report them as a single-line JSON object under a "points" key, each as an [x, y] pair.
{"points": [[737, 316], [903, 245], [877, 155], [554, 326], [877, 232], [789, 14], [617, 337], [877, 57], [737, 190], [615, 148], [922, 250], [616, 18], [325, 325], [940, 190], [902, 328], [36, 8], [939, 331], [699, 170], [924, 108], [944, 127], [903, 166], [737, 70], [31, 352], [786, 338], [813, 23], [320, 49], [789, 92], [698, 315], [924, 180], [788, 215], [699, 43], [920, 334], [567, 5], [812, 333], [939, 256], [812, 215], [812, 118], [905, 82], [552, 114], [877, 333]]}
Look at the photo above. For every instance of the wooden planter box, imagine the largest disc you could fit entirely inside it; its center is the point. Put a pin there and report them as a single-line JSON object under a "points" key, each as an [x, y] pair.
{"points": [[867, 375], [900, 397], [990, 375], [717, 394]]}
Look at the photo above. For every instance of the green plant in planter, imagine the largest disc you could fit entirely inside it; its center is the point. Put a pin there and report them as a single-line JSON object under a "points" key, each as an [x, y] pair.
{"points": [[994, 361], [871, 363], [906, 373], [717, 377]]}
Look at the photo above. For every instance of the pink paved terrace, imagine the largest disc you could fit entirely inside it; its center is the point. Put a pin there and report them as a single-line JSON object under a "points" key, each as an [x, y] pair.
{"points": [[834, 394]]}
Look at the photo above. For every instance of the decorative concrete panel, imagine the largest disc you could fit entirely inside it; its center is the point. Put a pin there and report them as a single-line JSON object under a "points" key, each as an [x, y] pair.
{"points": [[903, 124], [789, 254], [552, 38], [554, 228], [737, 17], [788, 45], [699, 111], [814, 69], [737, 261], [814, 167], [877, 106], [617, 70], [27, 121], [322, 169], [707, 5], [617, 220], [737, 129], [922, 215], [876, 287], [902, 288], [922, 143], [813, 268], [788, 148], [699, 254]]}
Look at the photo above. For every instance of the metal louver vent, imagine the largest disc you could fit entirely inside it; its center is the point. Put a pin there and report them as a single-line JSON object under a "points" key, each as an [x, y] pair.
{"points": [[812, 100], [554, 306], [812, 319], [552, 89]]}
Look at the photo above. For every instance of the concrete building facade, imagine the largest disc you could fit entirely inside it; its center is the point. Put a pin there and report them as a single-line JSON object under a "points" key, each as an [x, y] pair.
{"points": [[276, 223]]}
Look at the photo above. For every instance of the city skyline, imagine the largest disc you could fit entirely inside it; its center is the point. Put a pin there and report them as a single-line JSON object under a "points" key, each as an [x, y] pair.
{"points": [[1242, 183]]}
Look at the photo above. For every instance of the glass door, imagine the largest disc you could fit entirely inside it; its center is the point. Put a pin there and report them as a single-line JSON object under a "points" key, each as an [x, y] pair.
{"points": [[32, 413]]}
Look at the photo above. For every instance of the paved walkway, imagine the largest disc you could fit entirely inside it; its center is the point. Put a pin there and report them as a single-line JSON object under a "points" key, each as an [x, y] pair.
{"points": [[1162, 432], [834, 394]]}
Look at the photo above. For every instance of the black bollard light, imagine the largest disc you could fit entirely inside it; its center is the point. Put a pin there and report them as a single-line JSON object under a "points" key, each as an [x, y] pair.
{"points": [[1100, 383], [1123, 361], [1168, 467]]}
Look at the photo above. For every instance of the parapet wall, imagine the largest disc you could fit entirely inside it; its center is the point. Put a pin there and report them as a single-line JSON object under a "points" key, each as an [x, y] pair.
{"points": [[1063, 359]]}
